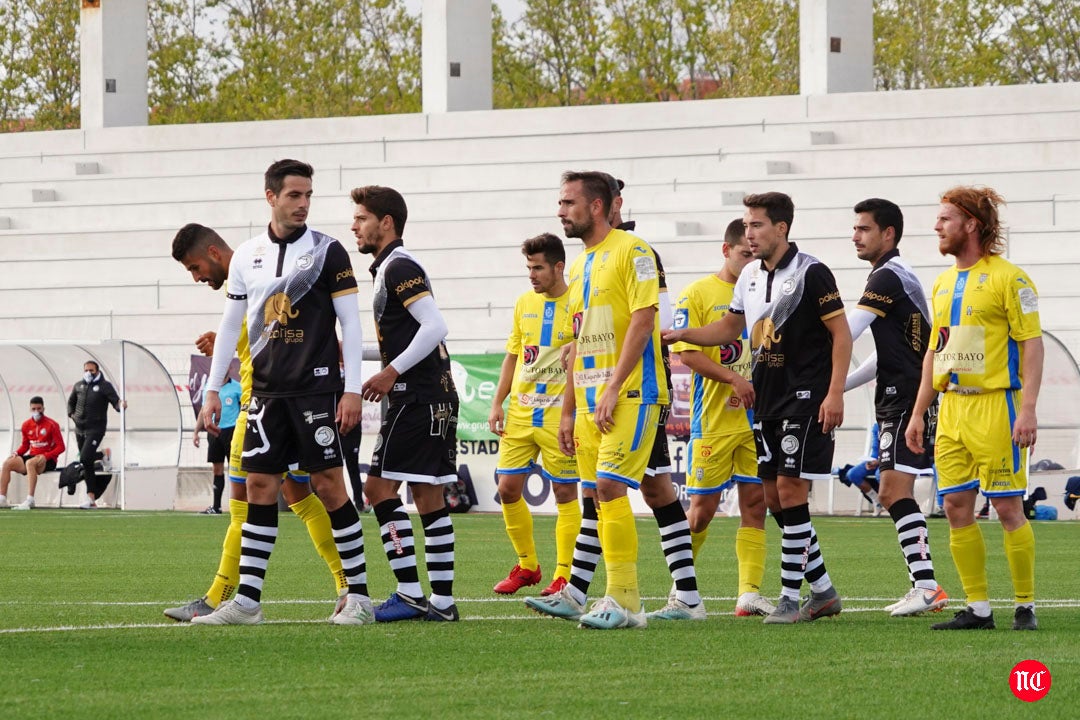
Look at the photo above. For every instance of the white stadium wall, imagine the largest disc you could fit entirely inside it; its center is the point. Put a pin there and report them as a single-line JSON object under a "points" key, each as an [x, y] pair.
{"points": [[87, 216]]}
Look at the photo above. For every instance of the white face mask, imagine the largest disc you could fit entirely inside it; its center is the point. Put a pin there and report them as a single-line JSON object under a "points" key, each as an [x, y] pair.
{"points": [[88, 376], [36, 415]]}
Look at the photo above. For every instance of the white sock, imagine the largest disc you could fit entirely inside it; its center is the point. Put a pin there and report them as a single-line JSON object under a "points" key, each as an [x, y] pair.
{"points": [[980, 608]]}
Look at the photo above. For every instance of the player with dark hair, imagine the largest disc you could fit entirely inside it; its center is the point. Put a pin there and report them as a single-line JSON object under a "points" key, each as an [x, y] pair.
{"points": [[534, 379], [418, 438], [292, 283], [41, 446], [789, 302], [894, 307], [205, 255]]}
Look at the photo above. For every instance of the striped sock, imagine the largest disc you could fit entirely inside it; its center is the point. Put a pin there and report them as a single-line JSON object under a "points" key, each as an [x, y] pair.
{"points": [[586, 552], [439, 556], [256, 543], [794, 549], [566, 529], [349, 540], [914, 537], [399, 544], [816, 574], [678, 550]]}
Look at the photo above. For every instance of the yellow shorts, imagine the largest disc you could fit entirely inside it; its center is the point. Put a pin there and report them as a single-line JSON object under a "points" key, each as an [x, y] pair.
{"points": [[974, 447], [519, 447], [236, 450], [622, 454], [717, 461]]}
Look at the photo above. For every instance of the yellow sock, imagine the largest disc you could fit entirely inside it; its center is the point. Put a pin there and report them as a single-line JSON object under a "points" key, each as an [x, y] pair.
{"points": [[620, 546], [750, 552], [697, 539], [969, 556], [566, 529], [519, 527], [1020, 552], [599, 522], [313, 513], [228, 573]]}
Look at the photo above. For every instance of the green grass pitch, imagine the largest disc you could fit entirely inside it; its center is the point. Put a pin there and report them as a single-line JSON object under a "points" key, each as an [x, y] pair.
{"points": [[82, 634]]}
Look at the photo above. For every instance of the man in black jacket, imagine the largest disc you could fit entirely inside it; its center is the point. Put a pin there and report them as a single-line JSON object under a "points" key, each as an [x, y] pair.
{"points": [[88, 407]]}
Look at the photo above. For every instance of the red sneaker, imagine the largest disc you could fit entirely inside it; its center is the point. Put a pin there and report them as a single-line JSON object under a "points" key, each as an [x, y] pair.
{"points": [[517, 579], [553, 589]]}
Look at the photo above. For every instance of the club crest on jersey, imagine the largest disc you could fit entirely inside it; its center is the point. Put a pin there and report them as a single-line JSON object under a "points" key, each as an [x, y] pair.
{"points": [[530, 353], [304, 262], [730, 353], [942, 339]]}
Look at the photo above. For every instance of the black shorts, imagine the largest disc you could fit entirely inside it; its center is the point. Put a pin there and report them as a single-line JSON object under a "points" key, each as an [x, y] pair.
{"points": [[50, 465], [291, 431], [417, 443], [894, 453], [793, 447], [217, 446], [660, 459]]}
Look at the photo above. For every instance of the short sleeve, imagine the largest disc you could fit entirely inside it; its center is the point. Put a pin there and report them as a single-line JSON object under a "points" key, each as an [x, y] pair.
{"points": [[406, 281], [882, 291], [687, 314], [338, 272], [513, 343], [821, 289], [1022, 307], [643, 285]]}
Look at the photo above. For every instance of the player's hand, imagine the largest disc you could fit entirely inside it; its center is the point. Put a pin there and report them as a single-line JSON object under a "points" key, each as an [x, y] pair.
{"points": [[380, 384], [831, 413], [497, 420], [1025, 429], [566, 435], [196, 438], [123, 404], [872, 464], [744, 391], [670, 337], [604, 417], [913, 436], [348, 412], [211, 411], [205, 343]]}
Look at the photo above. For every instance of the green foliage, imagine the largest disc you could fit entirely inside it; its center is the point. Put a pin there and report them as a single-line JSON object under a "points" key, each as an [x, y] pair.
{"points": [[82, 633], [39, 65]]}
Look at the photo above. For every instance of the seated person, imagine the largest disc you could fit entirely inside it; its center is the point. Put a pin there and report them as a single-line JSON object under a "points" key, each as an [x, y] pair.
{"points": [[42, 444]]}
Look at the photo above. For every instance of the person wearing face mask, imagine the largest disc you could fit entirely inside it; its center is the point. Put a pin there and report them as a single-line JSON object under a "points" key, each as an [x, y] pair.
{"points": [[42, 444], [88, 407]]}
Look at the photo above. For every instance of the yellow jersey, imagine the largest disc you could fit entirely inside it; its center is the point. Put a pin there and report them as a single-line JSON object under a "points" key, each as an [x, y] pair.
{"points": [[538, 334], [608, 282], [981, 314], [714, 408]]}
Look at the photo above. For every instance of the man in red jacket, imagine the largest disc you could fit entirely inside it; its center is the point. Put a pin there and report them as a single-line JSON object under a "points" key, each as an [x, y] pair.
{"points": [[42, 444]]}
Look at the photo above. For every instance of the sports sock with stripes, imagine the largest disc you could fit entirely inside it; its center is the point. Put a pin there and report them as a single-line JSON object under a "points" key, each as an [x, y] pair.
{"points": [[794, 549], [586, 552], [399, 544], [914, 537], [439, 556], [678, 550], [257, 542], [349, 546]]}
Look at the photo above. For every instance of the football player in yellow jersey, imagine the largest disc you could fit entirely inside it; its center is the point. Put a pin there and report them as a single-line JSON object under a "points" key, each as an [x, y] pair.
{"points": [[614, 396], [987, 359], [721, 451], [534, 379], [207, 256]]}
